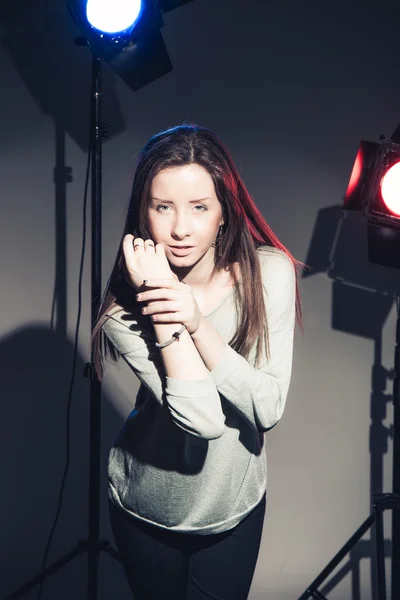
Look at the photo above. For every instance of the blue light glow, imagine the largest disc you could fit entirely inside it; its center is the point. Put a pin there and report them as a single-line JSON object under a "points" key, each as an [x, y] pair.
{"points": [[113, 16]]}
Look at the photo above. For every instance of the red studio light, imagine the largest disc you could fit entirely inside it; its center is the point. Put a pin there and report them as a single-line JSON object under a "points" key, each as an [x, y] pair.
{"points": [[354, 198], [374, 190], [374, 185], [382, 193], [390, 189]]}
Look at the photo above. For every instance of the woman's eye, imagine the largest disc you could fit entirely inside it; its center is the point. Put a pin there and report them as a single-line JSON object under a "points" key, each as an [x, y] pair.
{"points": [[161, 207]]}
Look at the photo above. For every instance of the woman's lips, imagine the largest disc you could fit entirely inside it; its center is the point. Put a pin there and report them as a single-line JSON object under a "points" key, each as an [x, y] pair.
{"points": [[182, 251]]}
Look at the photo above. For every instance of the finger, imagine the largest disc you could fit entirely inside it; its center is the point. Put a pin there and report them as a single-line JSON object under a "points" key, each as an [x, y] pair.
{"points": [[157, 294], [138, 245], [167, 318], [149, 246], [160, 250], [160, 307], [127, 245]]}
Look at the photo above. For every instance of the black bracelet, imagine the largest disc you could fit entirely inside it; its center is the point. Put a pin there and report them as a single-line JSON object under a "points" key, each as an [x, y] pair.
{"points": [[175, 338]]}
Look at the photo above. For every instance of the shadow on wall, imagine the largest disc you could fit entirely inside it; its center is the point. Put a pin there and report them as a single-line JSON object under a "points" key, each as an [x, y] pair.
{"points": [[362, 298], [35, 378], [59, 80], [36, 361]]}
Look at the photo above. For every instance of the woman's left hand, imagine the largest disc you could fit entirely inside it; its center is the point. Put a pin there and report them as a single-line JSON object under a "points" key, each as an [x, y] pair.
{"points": [[171, 301]]}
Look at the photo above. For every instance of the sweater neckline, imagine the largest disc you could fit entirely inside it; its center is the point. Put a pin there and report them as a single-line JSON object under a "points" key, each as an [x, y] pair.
{"points": [[223, 300]]}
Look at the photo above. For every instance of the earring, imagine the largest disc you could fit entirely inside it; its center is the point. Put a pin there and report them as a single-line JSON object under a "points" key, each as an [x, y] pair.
{"points": [[218, 241]]}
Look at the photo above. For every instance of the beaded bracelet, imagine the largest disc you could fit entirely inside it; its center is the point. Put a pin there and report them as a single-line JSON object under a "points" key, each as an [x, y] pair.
{"points": [[175, 338]]}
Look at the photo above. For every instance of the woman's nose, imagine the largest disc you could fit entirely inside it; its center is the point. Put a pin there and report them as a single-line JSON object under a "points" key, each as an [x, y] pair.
{"points": [[181, 227]]}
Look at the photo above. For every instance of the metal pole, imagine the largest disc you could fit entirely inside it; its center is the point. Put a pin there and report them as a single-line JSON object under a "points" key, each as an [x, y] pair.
{"points": [[396, 466], [95, 385]]}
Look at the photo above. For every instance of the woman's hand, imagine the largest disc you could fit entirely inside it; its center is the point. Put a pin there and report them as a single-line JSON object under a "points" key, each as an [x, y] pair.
{"points": [[171, 302], [144, 260]]}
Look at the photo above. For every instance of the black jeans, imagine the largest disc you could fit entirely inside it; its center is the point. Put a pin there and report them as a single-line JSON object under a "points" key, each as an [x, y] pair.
{"points": [[161, 564]]}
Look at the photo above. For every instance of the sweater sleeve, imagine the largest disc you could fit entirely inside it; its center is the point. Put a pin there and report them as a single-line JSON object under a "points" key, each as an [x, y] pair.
{"points": [[194, 406], [259, 394]]}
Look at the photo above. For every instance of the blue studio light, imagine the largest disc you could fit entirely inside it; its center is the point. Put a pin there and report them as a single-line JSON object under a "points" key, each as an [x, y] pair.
{"points": [[113, 16]]}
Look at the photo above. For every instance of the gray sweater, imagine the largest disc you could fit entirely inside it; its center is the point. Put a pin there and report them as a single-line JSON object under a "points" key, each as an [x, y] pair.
{"points": [[191, 457]]}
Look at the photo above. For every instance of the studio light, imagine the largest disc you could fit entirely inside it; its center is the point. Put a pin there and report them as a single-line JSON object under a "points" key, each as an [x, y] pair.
{"points": [[362, 300], [113, 18], [374, 189], [126, 35]]}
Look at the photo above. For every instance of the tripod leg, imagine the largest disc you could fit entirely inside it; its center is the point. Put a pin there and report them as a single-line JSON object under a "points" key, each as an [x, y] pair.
{"points": [[380, 553], [318, 596], [113, 553], [49, 571], [338, 558]]}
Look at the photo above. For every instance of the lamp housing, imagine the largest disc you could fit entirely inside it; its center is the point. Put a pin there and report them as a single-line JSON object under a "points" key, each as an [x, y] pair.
{"points": [[374, 190], [138, 53], [374, 185], [383, 191]]}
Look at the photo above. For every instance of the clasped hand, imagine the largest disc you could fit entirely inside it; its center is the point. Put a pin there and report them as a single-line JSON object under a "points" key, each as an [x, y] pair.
{"points": [[168, 299]]}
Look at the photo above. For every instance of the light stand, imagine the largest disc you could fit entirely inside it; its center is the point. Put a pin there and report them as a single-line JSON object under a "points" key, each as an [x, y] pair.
{"points": [[383, 249], [93, 545], [139, 56], [381, 502], [396, 466]]}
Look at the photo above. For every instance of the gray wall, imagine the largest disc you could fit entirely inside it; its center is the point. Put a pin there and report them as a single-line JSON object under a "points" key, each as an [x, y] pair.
{"points": [[291, 89]]}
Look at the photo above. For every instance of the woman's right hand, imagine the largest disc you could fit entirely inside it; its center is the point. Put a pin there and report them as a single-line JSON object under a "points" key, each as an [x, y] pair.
{"points": [[144, 260]]}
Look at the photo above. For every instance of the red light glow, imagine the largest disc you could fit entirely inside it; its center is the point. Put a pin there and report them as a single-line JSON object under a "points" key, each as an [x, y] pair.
{"points": [[356, 172], [390, 189], [354, 177]]}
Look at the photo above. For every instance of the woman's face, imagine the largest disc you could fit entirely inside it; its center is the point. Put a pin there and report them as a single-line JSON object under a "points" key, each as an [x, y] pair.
{"points": [[184, 211]]}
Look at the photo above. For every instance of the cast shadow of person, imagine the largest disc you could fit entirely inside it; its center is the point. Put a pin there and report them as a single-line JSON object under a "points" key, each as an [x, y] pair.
{"points": [[36, 369]]}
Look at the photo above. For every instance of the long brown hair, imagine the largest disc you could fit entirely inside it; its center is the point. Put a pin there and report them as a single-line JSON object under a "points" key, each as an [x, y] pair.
{"points": [[244, 230]]}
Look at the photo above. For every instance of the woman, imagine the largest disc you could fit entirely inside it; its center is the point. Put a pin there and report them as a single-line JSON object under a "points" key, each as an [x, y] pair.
{"points": [[201, 304]]}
